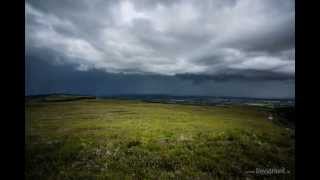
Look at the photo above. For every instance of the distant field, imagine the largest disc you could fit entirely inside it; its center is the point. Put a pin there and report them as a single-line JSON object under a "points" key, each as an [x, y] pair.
{"points": [[121, 139]]}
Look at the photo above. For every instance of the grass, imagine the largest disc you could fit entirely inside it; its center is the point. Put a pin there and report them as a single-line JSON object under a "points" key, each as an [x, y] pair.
{"points": [[120, 139]]}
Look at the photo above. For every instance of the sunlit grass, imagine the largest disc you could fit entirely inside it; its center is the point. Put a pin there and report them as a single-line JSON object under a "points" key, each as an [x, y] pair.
{"points": [[118, 139]]}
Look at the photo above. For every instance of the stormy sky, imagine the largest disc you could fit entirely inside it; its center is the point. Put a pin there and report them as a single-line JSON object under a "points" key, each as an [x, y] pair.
{"points": [[179, 47]]}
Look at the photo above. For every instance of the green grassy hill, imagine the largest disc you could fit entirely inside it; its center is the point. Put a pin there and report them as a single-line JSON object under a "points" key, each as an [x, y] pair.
{"points": [[119, 139]]}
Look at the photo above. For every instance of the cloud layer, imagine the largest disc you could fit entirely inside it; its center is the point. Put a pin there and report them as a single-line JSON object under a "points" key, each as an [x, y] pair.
{"points": [[43, 78], [222, 38]]}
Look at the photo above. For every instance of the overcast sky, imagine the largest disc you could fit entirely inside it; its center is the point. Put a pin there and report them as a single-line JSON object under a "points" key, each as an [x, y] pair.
{"points": [[207, 47]]}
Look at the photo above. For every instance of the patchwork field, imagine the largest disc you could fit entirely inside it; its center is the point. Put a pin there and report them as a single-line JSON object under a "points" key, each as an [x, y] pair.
{"points": [[121, 139]]}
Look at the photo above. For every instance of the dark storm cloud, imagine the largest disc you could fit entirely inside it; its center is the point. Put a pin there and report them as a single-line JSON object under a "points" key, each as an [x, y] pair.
{"points": [[42, 77], [181, 41], [281, 38], [241, 75], [166, 37]]}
